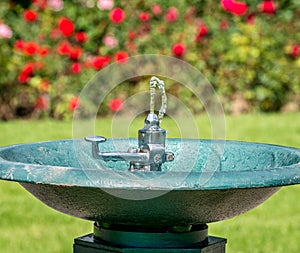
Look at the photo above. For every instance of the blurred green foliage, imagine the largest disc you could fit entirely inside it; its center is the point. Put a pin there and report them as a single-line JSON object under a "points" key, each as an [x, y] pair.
{"points": [[251, 58]]}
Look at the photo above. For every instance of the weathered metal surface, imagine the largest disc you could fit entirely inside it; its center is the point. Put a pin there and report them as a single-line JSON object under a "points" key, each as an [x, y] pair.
{"points": [[69, 162], [177, 207], [72, 182]]}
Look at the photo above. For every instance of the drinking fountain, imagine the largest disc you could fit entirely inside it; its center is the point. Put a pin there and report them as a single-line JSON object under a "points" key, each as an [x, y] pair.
{"points": [[170, 201], [150, 154]]}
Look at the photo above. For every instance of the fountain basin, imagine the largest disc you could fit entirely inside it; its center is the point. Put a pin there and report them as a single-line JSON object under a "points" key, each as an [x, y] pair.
{"points": [[71, 181]]}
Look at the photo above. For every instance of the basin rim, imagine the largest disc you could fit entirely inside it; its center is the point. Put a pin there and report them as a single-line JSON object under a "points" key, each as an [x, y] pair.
{"points": [[221, 180]]}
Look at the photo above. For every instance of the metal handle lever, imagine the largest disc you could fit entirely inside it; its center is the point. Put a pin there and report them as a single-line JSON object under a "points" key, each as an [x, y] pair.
{"points": [[95, 140], [114, 156]]}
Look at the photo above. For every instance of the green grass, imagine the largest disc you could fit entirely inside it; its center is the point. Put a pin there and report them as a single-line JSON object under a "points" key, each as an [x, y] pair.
{"points": [[27, 225]]}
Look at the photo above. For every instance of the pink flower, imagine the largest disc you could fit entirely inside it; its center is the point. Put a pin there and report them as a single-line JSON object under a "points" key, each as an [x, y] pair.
{"points": [[117, 15], [30, 15], [115, 104], [42, 4], [171, 14], [5, 31], [105, 4], [178, 49], [56, 5], [235, 7], [74, 103], [131, 47], [66, 26], [144, 16], [110, 41], [268, 7], [156, 9], [55, 33]]}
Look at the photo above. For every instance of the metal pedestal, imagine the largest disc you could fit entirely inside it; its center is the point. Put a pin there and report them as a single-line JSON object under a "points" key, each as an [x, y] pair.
{"points": [[157, 241]]}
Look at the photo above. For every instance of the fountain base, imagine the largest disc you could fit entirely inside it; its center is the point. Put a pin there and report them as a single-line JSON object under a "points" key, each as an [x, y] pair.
{"points": [[119, 239]]}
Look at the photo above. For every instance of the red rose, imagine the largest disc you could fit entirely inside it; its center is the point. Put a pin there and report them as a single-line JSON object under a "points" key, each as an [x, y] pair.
{"points": [[121, 57], [81, 37], [131, 35], [31, 48], [116, 104], [268, 7], [202, 31], [26, 72], [76, 67], [235, 7], [19, 45], [64, 48], [43, 51], [171, 14], [41, 103], [74, 53], [295, 51], [66, 26], [144, 16], [250, 19], [28, 69], [30, 15], [117, 15], [22, 78], [99, 62], [178, 49], [74, 103]]}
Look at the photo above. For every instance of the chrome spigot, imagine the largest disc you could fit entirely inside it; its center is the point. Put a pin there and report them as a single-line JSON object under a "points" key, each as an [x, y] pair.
{"points": [[130, 155], [150, 154]]}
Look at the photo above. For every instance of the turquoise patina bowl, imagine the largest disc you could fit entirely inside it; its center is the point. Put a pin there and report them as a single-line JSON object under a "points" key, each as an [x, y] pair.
{"points": [[208, 181]]}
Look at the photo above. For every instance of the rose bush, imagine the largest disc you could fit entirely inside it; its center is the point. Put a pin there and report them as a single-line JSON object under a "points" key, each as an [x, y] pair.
{"points": [[49, 49]]}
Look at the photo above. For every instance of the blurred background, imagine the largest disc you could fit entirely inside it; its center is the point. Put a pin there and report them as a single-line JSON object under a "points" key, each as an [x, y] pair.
{"points": [[49, 49], [248, 50]]}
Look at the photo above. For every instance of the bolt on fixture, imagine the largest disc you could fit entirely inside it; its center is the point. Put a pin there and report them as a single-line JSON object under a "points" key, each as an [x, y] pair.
{"points": [[150, 153]]}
